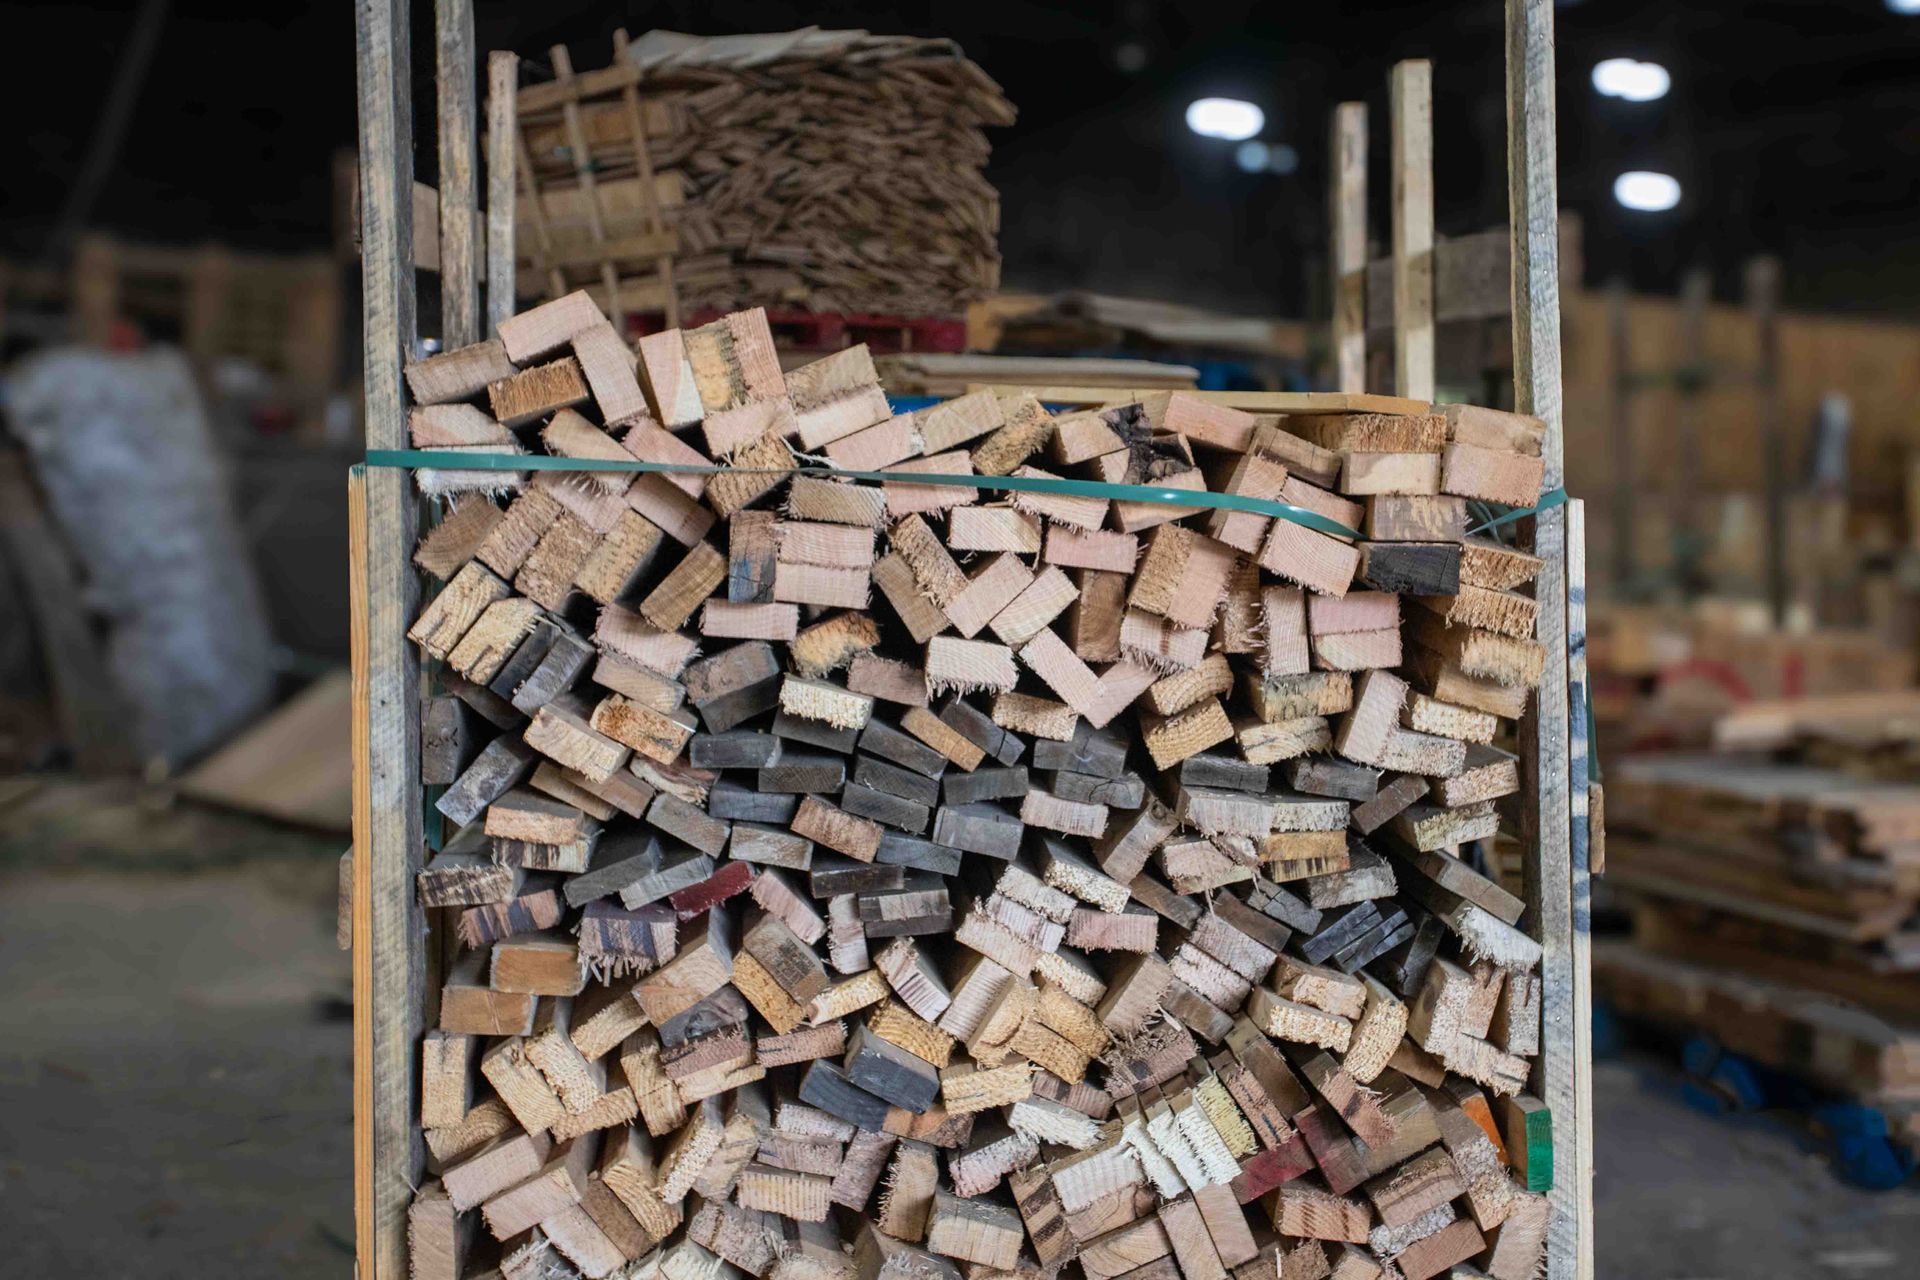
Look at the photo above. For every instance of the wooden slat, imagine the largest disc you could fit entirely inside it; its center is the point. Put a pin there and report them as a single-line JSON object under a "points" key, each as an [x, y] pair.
{"points": [[1248, 401], [388, 827], [1412, 109], [360, 904], [1470, 281], [459, 299], [1348, 216], [643, 164], [503, 129], [1553, 884], [589, 185]]}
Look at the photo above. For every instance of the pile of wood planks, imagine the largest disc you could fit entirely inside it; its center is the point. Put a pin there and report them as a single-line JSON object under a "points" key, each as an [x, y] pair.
{"points": [[839, 171], [1826, 1039], [908, 879], [1798, 849]]}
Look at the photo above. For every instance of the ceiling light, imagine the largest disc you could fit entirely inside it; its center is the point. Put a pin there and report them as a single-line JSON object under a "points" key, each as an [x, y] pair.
{"points": [[1636, 81], [1252, 157], [1648, 192], [1227, 118], [1909, 7]]}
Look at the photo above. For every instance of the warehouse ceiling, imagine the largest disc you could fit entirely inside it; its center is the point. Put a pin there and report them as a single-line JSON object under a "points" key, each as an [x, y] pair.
{"points": [[1793, 127]]}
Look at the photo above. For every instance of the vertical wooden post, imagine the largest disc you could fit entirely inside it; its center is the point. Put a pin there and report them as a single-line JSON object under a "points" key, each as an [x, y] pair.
{"points": [[1555, 870], [1763, 298], [1620, 433], [649, 196], [1347, 218], [1683, 499], [503, 133], [389, 955], [1412, 109], [589, 187], [459, 295]]}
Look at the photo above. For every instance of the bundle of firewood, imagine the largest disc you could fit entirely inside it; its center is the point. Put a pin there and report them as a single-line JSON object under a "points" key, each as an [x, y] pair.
{"points": [[889, 880], [835, 170]]}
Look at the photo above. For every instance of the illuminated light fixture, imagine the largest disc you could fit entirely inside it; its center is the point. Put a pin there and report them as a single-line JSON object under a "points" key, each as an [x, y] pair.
{"points": [[1636, 81], [1908, 7], [1647, 192], [1227, 118]]}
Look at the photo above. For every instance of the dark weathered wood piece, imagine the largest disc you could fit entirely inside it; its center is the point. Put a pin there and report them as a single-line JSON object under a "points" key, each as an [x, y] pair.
{"points": [[978, 728], [1282, 904], [832, 875], [890, 743], [1411, 568], [525, 658], [446, 739], [870, 802], [1404, 966], [565, 660], [814, 733], [676, 872], [731, 687], [1149, 891], [889, 1072], [772, 846], [619, 860], [915, 854], [734, 749], [687, 823], [736, 801], [826, 1086], [1005, 783], [1332, 776], [1127, 791], [805, 773], [895, 781], [1099, 752], [482, 701], [500, 766], [1395, 794], [978, 828], [1339, 929], [920, 906], [1210, 770]]}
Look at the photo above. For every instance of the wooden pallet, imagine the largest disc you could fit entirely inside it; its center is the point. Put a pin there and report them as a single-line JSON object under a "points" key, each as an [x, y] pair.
{"points": [[392, 965], [1785, 1027], [282, 312]]}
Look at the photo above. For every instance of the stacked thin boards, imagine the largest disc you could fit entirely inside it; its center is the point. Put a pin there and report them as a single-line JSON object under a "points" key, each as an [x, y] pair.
{"points": [[761, 152], [856, 881]]}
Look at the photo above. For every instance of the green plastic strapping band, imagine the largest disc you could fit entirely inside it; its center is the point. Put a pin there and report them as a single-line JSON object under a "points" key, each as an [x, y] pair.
{"points": [[1547, 501], [449, 460]]}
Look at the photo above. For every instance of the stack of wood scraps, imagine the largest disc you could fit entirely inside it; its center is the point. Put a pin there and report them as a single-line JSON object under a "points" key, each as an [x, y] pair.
{"points": [[1776, 901], [839, 171], [914, 879]]}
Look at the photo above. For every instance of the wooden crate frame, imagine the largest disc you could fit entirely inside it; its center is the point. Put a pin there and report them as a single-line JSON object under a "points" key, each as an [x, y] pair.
{"points": [[390, 959]]}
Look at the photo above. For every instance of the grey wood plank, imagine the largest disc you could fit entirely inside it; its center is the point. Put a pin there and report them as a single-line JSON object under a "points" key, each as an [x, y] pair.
{"points": [[389, 835], [1551, 887], [459, 196]]}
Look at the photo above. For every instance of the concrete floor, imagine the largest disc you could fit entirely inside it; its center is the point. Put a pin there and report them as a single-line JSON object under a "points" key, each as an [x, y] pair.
{"points": [[175, 1082]]}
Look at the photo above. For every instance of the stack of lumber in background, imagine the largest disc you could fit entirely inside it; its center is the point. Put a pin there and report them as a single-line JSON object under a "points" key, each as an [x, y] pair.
{"points": [[902, 881], [1663, 674], [1775, 889], [834, 170]]}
